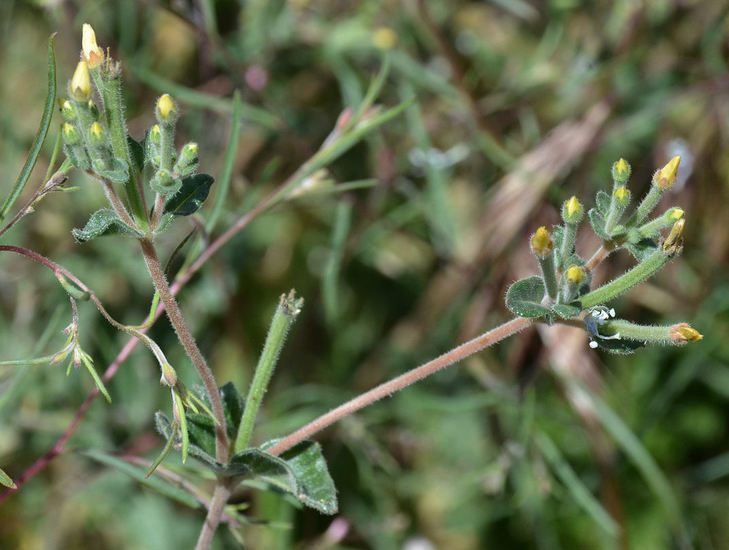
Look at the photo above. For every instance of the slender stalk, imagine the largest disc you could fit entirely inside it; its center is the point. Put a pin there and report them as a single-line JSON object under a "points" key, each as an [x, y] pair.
{"points": [[568, 244], [645, 269], [549, 276], [648, 203], [383, 390], [215, 513], [188, 342], [597, 258], [285, 315]]}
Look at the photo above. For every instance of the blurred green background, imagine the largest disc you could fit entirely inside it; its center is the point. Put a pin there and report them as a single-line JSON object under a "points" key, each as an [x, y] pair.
{"points": [[520, 104]]}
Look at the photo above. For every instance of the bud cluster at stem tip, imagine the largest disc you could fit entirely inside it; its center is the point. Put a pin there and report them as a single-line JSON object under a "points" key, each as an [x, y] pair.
{"points": [[574, 274], [542, 243]]}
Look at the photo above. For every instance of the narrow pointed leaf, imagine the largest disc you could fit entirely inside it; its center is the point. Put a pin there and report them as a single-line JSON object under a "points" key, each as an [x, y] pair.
{"points": [[190, 197]]}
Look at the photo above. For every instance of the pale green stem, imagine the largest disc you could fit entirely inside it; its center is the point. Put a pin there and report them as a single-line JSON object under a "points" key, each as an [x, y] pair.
{"points": [[549, 275], [648, 204], [568, 244], [644, 270], [280, 324], [110, 91], [641, 333]]}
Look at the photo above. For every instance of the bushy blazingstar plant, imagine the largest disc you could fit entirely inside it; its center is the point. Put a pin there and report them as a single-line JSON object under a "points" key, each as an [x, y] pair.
{"points": [[149, 183], [563, 292]]}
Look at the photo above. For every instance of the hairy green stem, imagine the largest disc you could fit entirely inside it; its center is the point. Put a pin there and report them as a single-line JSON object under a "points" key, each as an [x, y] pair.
{"points": [[644, 270], [632, 331], [188, 342], [283, 318], [404, 380], [110, 90], [568, 244], [648, 203], [549, 276]]}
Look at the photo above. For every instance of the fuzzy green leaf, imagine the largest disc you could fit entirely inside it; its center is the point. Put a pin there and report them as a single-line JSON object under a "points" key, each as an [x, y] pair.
{"points": [[136, 151], [603, 202], [567, 311], [597, 221], [524, 298], [641, 249], [104, 222], [190, 197], [316, 486], [202, 432], [118, 172], [233, 404]]}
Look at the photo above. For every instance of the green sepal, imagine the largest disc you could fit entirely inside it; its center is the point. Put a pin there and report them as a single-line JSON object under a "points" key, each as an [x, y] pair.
{"points": [[165, 183], [641, 249], [101, 223], [190, 197], [567, 311], [618, 346], [118, 172], [77, 155], [165, 428], [524, 298], [597, 220], [136, 152], [603, 202]]}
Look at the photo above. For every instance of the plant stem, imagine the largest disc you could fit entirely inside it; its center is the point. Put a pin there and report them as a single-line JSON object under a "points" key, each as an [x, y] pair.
{"points": [[568, 244], [645, 269], [215, 513], [457, 354], [549, 276], [285, 315], [188, 342], [648, 204]]}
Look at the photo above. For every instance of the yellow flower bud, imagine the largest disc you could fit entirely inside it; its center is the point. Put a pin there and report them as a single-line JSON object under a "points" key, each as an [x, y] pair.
{"points": [[80, 85], [675, 214], [621, 168], [384, 38], [166, 108], [683, 333], [574, 275], [70, 134], [155, 134], [96, 130], [622, 194], [542, 243], [572, 211], [664, 178], [93, 55]]}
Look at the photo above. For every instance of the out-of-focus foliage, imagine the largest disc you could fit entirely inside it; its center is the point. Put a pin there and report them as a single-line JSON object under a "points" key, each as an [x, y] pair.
{"points": [[537, 443]]}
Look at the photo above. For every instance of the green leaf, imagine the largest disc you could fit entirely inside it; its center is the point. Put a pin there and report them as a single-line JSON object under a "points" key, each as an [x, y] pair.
{"points": [[201, 429], [524, 298], [154, 482], [165, 428], [567, 311], [618, 345], [136, 151], [316, 486], [233, 404], [603, 202], [40, 136], [597, 221], [192, 194], [104, 222], [6, 481], [641, 249]]}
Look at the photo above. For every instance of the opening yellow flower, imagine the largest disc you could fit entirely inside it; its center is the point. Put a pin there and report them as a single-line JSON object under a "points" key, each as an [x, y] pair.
{"points": [[80, 86], [93, 55]]}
